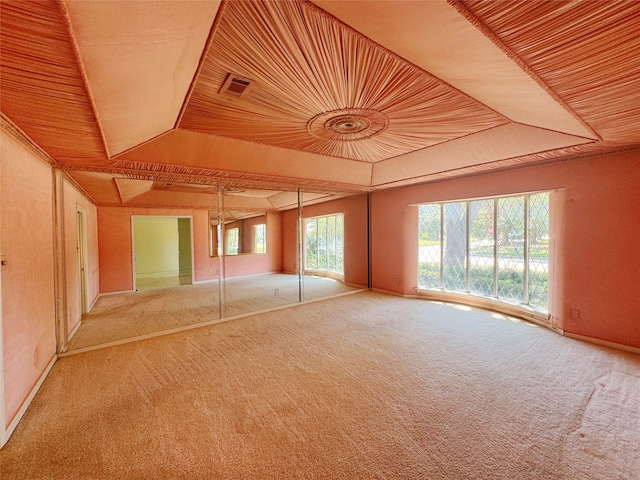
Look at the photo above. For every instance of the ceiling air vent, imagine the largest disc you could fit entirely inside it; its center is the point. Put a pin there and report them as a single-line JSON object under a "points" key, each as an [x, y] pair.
{"points": [[236, 86]]}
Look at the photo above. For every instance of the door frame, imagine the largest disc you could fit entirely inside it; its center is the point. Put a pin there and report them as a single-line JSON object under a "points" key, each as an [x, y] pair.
{"points": [[81, 219], [3, 426]]}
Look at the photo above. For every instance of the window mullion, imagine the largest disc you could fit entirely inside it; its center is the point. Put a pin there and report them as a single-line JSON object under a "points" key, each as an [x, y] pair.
{"points": [[467, 263], [318, 236], [525, 276], [326, 243], [442, 246], [495, 247], [334, 249], [335, 243]]}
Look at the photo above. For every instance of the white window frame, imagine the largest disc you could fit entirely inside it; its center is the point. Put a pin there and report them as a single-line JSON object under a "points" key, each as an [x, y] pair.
{"points": [[337, 250], [260, 238], [235, 233], [494, 302]]}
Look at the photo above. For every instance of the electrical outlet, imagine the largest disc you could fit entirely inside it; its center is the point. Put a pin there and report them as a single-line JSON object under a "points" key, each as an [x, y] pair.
{"points": [[575, 314]]}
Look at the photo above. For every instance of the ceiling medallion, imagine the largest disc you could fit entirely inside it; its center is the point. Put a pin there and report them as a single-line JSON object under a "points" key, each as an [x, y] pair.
{"points": [[348, 124]]}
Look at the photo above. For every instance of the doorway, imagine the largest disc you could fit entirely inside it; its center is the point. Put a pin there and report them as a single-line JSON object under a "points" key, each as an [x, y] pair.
{"points": [[162, 252]]}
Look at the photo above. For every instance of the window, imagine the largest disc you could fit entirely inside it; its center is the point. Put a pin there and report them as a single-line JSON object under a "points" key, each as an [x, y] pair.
{"points": [[324, 243], [496, 248], [233, 241], [260, 238]]}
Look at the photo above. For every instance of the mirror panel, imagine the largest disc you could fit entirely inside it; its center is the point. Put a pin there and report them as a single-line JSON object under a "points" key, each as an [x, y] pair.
{"points": [[266, 249], [244, 233], [334, 231], [164, 295], [255, 281]]}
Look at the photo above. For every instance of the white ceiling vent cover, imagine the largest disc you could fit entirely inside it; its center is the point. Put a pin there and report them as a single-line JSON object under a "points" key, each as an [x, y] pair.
{"points": [[236, 86]]}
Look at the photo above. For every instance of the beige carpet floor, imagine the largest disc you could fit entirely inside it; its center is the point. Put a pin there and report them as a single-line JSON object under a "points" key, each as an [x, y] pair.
{"points": [[363, 386], [132, 314]]}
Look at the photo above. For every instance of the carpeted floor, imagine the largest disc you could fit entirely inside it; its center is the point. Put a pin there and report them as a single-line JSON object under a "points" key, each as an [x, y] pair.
{"points": [[132, 314], [364, 386]]}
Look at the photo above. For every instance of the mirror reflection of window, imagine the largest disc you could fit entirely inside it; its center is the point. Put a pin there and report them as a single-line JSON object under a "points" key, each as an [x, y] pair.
{"points": [[244, 233], [260, 238], [233, 243], [215, 243], [324, 244], [219, 244]]}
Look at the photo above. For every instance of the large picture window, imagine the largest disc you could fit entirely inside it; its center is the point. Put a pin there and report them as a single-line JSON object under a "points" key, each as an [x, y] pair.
{"points": [[324, 243], [496, 248]]}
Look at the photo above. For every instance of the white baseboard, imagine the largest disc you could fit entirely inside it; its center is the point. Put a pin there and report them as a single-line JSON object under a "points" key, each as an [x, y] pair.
{"points": [[324, 273], [93, 304], [484, 304], [23, 409], [75, 329], [249, 275], [117, 292], [215, 280], [603, 343], [200, 282], [523, 315], [389, 292], [169, 273]]}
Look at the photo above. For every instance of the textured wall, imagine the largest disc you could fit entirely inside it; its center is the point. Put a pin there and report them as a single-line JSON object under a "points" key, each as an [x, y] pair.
{"points": [[28, 293], [28, 301]]}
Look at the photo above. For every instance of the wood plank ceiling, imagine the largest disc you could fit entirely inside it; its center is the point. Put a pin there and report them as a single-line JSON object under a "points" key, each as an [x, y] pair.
{"points": [[152, 103]]}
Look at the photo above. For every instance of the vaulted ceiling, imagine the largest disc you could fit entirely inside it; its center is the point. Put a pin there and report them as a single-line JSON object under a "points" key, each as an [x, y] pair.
{"points": [[161, 102]]}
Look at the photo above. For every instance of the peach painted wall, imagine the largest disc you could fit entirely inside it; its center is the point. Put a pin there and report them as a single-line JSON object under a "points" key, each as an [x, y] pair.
{"points": [[355, 235], [596, 259], [290, 241], [114, 241], [28, 300], [205, 267], [74, 198]]}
